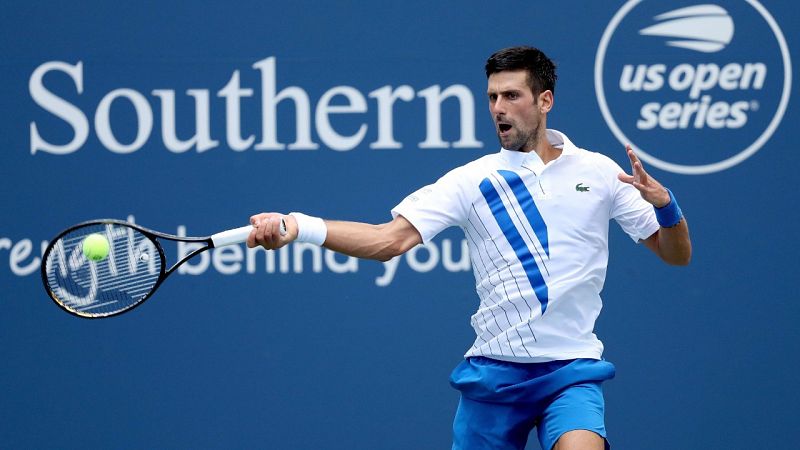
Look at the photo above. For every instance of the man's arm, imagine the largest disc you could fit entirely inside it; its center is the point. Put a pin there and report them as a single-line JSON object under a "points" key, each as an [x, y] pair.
{"points": [[362, 240], [671, 244]]}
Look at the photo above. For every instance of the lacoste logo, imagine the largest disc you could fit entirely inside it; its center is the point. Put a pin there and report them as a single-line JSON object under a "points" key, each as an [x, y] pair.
{"points": [[581, 188]]}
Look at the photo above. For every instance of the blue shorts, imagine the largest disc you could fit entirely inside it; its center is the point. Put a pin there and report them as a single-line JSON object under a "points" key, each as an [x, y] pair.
{"points": [[501, 402]]}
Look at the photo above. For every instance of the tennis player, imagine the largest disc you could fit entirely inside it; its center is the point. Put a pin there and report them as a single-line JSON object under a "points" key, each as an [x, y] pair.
{"points": [[536, 217]]}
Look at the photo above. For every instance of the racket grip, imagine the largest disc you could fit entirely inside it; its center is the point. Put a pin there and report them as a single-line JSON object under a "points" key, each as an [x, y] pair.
{"points": [[237, 235]]}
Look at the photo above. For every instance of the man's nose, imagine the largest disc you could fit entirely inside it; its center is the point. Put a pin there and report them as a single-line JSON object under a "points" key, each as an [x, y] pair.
{"points": [[498, 106]]}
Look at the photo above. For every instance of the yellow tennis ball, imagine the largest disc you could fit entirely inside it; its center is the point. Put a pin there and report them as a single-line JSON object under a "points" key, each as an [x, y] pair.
{"points": [[95, 247]]}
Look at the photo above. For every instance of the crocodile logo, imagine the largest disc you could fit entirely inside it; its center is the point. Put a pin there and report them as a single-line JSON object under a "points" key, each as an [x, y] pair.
{"points": [[581, 188]]}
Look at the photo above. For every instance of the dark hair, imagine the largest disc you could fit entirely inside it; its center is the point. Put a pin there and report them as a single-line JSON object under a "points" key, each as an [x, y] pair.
{"points": [[541, 70]]}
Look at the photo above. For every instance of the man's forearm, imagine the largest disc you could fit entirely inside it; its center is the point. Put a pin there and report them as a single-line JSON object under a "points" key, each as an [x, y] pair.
{"points": [[382, 242], [673, 244]]}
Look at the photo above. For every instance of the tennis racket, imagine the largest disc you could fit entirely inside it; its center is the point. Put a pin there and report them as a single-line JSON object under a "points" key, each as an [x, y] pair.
{"points": [[132, 269]]}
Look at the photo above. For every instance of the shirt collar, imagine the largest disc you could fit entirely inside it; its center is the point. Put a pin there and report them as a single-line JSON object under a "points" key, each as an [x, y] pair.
{"points": [[554, 137]]}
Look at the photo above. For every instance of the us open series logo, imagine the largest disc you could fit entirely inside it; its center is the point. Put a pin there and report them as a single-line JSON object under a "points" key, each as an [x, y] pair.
{"points": [[694, 88]]}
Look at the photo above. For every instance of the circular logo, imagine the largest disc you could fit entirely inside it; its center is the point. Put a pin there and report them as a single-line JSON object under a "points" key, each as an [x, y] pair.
{"points": [[694, 88]]}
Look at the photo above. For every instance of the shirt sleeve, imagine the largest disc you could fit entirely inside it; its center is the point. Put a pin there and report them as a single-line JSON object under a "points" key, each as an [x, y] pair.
{"points": [[633, 213], [437, 206]]}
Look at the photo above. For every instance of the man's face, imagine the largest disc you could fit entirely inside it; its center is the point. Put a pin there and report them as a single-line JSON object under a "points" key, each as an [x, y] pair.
{"points": [[516, 112]]}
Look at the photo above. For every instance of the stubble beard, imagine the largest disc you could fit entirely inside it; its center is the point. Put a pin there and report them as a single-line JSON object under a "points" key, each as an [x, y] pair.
{"points": [[522, 140]]}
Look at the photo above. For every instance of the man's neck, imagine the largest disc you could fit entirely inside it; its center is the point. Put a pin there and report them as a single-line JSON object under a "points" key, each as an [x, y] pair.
{"points": [[546, 151]]}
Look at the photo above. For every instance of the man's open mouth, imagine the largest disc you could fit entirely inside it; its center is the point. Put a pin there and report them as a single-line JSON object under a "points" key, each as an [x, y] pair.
{"points": [[503, 127]]}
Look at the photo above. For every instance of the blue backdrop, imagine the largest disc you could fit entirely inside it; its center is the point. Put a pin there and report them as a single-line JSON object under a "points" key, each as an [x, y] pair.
{"points": [[190, 117]]}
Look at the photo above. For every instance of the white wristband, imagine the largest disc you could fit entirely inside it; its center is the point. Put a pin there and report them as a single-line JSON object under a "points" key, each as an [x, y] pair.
{"points": [[310, 229]]}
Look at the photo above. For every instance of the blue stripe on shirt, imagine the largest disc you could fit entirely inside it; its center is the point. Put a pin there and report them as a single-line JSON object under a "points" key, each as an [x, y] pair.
{"points": [[515, 240], [528, 207]]}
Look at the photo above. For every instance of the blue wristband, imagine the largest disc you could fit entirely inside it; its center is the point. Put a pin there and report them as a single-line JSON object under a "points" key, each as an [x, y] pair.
{"points": [[670, 214]]}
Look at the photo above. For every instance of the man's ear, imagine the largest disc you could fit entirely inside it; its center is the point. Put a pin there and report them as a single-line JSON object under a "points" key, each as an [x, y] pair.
{"points": [[545, 101]]}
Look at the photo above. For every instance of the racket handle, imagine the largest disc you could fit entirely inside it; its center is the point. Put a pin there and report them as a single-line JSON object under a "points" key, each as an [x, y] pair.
{"points": [[237, 235]]}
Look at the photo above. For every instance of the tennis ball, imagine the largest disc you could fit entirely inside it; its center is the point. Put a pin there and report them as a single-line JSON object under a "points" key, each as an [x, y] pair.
{"points": [[95, 247]]}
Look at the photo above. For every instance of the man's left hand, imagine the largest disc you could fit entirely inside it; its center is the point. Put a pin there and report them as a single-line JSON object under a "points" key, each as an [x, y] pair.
{"points": [[652, 191]]}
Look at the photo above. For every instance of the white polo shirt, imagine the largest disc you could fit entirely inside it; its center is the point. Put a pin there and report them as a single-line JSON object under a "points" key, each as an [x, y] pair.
{"points": [[538, 241]]}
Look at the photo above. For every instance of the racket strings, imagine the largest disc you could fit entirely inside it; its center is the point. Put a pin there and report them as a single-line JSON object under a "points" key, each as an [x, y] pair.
{"points": [[121, 280]]}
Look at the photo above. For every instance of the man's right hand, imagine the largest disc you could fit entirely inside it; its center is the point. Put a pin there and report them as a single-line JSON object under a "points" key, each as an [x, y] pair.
{"points": [[267, 230]]}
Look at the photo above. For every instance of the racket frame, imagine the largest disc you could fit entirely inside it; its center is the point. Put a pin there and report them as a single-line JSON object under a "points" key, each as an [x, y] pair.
{"points": [[152, 235]]}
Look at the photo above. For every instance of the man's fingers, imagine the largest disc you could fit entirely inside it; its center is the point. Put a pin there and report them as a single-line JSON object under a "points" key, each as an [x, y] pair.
{"points": [[636, 166], [266, 231], [650, 188], [274, 225], [640, 179], [259, 233], [631, 155], [636, 172], [251, 239], [640, 174], [632, 180], [257, 218]]}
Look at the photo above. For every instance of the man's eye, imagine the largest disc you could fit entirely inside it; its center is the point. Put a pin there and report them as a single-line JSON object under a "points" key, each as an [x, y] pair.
{"points": [[512, 96]]}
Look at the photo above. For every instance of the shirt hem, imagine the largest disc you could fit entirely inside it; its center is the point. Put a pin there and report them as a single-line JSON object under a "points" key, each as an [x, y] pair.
{"points": [[544, 358]]}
